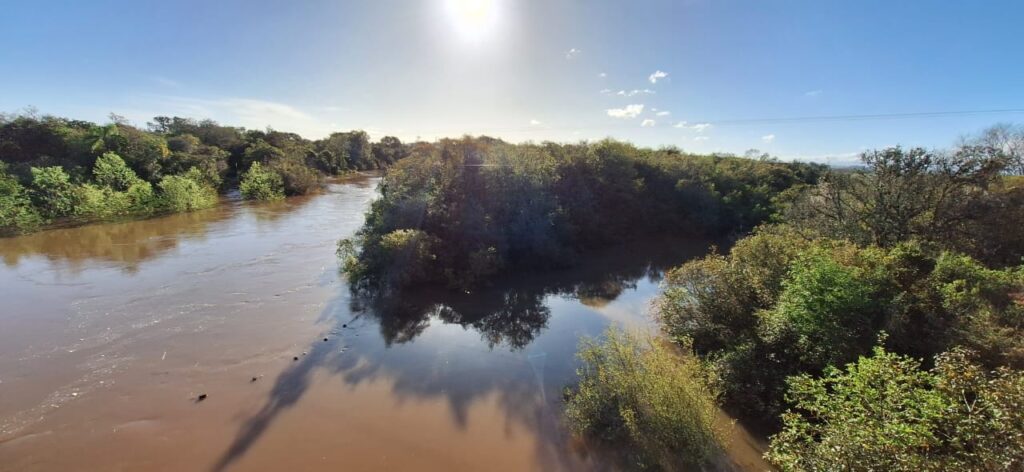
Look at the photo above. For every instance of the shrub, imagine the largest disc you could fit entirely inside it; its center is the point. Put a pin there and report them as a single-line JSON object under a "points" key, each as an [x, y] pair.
{"points": [[111, 171], [52, 192], [180, 193], [297, 178], [884, 413], [261, 184], [16, 211], [635, 392]]}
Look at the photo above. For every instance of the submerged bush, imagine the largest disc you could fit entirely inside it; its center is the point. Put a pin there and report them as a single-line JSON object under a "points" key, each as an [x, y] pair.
{"points": [[179, 193], [261, 184], [885, 413], [296, 177], [637, 393]]}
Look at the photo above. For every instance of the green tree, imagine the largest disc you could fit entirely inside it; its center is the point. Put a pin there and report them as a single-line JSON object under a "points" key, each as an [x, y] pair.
{"points": [[111, 171], [261, 184]]}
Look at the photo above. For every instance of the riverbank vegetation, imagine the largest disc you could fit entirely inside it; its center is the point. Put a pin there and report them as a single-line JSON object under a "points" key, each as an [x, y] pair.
{"points": [[63, 171], [896, 271], [635, 393]]}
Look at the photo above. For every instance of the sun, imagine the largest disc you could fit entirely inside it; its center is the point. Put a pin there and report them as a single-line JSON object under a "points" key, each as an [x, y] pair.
{"points": [[473, 20]]}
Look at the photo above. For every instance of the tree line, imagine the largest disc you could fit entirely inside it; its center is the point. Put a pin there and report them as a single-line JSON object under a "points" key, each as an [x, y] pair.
{"points": [[58, 170], [458, 212]]}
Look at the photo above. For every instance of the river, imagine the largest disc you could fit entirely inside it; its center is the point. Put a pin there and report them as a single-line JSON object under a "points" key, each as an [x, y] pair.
{"points": [[110, 333]]}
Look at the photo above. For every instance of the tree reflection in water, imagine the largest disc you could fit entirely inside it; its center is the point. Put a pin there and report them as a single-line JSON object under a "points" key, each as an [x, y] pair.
{"points": [[513, 311], [509, 315]]}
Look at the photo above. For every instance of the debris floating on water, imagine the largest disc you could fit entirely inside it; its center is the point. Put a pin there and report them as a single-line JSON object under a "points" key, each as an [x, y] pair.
{"points": [[295, 358], [201, 397]]}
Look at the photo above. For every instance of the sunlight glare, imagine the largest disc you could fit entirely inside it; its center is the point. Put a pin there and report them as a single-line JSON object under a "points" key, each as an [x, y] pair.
{"points": [[472, 19]]}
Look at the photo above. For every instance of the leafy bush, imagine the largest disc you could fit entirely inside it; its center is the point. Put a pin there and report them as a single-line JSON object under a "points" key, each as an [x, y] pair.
{"points": [[400, 256], [16, 211], [260, 184], [297, 178], [111, 171], [180, 193], [52, 192], [779, 305], [885, 413], [636, 393]]}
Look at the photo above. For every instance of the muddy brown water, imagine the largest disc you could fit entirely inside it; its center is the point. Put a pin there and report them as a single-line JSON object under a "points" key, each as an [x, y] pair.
{"points": [[110, 332]]}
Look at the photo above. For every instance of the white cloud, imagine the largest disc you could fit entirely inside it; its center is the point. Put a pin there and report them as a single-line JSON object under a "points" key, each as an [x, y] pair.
{"points": [[656, 76], [647, 123], [630, 93], [768, 138], [606, 91], [701, 138], [630, 111], [681, 124], [663, 113], [535, 123], [602, 75], [572, 53], [812, 93], [701, 127]]}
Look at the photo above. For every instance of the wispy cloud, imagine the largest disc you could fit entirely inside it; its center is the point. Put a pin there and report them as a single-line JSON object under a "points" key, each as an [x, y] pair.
{"points": [[573, 53], [648, 123], [602, 75], [701, 138], [813, 93], [656, 76], [606, 91], [698, 127], [535, 123], [768, 138], [630, 111], [634, 92], [663, 113]]}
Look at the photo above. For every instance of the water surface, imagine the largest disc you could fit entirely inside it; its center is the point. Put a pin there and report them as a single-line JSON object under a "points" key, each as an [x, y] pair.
{"points": [[110, 332]]}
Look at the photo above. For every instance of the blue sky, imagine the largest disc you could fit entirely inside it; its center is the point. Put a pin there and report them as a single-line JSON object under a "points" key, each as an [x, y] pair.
{"points": [[531, 69]]}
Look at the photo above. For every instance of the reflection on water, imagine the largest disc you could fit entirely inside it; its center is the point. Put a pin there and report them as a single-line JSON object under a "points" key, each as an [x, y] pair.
{"points": [[512, 312], [128, 244], [110, 331], [420, 352]]}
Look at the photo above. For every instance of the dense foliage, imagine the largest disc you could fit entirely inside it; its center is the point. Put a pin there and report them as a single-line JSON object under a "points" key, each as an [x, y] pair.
{"points": [[637, 394], [895, 248], [459, 212], [885, 413], [60, 170]]}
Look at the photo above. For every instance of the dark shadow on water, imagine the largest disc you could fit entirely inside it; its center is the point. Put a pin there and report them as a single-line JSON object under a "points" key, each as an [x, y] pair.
{"points": [[514, 358]]}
